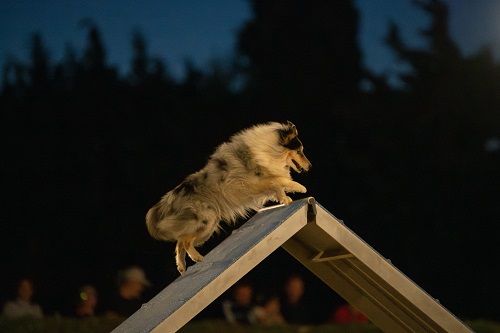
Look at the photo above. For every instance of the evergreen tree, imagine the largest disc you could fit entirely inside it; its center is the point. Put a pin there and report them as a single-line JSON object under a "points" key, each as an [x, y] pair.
{"points": [[39, 68], [302, 49], [94, 58], [7, 74], [140, 59], [441, 59], [66, 71]]}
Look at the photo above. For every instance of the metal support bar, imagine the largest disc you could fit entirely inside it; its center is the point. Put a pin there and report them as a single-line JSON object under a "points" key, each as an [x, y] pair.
{"points": [[331, 255]]}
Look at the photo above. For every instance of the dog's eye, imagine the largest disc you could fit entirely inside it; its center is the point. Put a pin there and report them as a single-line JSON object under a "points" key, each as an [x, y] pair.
{"points": [[294, 144]]}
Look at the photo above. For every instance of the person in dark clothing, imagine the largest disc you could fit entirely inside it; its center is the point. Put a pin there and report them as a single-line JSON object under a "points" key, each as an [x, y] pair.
{"points": [[86, 303], [268, 313], [293, 307], [240, 309], [128, 299]]}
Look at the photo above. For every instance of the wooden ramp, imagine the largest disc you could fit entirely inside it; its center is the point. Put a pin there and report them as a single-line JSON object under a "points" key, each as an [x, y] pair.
{"points": [[326, 247]]}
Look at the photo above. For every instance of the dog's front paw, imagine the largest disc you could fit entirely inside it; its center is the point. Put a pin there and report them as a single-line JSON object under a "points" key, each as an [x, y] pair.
{"points": [[286, 200], [296, 187], [300, 188]]}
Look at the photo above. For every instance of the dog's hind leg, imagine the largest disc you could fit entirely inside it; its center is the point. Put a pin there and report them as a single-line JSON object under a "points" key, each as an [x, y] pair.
{"points": [[191, 251], [180, 256]]}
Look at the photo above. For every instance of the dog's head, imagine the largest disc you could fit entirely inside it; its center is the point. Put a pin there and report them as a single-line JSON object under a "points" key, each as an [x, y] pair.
{"points": [[289, 139]]}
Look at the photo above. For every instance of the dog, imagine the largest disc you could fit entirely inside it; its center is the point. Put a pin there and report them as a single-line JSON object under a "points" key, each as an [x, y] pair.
{"points": [[242, 174]]}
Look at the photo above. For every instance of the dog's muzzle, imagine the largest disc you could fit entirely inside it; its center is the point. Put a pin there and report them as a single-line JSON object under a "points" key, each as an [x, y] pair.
{"points": [[299, 167]]}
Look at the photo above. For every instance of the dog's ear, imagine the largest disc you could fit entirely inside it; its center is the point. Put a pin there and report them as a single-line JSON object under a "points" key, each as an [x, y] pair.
{"points": [[288, 132], [292, 127], [283, 133]]}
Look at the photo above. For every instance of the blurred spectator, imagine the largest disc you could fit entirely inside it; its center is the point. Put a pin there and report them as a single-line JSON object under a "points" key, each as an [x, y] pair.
{"points": [[128, 299], [269, 313], [347, 314], [23, 305], [293, 306], [87, 302], [240, 309]]}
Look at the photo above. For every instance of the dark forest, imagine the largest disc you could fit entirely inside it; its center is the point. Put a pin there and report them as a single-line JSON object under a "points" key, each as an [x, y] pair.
{"points": [[413, 169]]}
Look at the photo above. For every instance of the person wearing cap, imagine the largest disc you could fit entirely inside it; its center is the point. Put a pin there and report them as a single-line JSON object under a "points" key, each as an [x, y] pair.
{"points": [[131, 283]]}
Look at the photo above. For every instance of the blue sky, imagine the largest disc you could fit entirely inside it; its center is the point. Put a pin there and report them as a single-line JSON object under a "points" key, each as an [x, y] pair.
{"points": [[202, 30]]}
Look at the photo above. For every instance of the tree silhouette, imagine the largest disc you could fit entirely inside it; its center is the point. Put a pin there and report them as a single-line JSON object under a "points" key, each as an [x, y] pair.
{"points": [[15, 78], [441, 59], [7, 76], [146, 71], [66, 72], [442, 119], [140, 59], [302, 49], [94, 58], [159, 74], [40, 67]]}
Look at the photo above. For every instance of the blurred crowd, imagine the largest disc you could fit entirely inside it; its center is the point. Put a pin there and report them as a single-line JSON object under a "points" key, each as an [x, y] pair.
{"points": [[242, 305]]}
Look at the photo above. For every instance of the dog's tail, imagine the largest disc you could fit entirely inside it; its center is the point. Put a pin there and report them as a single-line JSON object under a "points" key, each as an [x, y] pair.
{"points": [[153, 218]]}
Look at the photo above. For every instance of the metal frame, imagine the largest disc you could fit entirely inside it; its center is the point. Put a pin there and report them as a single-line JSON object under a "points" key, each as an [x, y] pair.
{"points": [[326, 247]]}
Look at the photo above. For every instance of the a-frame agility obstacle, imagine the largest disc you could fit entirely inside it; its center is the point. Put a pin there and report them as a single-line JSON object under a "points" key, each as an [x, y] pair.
{"points": [[326, 247]]}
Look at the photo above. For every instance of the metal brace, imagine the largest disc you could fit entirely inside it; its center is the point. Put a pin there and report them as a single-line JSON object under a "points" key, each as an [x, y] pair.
{"points": [[331, 255]]}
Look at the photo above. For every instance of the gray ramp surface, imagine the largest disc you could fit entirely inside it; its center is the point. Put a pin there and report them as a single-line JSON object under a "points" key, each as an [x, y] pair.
{"points": [[203, 282]]}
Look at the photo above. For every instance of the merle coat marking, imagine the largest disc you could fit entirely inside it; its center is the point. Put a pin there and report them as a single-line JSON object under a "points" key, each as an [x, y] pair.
{"points": [[242, 174]]}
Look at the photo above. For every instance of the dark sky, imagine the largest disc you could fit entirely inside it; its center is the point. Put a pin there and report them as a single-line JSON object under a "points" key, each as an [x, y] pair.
{"points": [[201, 30]]}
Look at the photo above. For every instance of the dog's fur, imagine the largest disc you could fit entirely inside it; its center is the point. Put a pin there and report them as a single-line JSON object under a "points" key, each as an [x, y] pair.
{"points": [[240, 176]]}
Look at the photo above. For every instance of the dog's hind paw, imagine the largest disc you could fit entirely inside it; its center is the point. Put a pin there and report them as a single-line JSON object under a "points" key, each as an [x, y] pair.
{"points": [[181, 269], [181, 266]]}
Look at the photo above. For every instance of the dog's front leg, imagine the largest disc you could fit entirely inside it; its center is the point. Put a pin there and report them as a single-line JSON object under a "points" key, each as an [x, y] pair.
{"points": [[279, 186], [292, 186], [282, 197], [288, 185]]}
